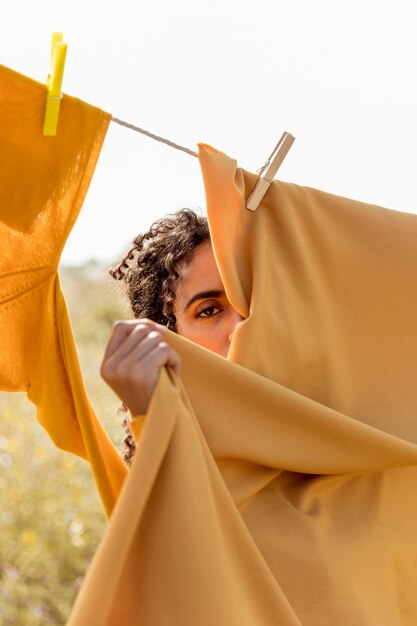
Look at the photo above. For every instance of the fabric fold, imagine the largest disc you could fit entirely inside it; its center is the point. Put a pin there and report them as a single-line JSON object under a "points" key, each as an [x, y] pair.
{"points": [[331, 288], [176, 550], [268, 424]]}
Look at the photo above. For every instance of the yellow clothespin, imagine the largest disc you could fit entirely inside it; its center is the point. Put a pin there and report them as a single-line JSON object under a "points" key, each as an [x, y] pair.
{"points": [[54, 84], [269, 170]]}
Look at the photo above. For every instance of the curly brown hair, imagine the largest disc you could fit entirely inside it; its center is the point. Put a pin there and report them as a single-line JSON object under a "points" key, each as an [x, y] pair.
{"points": [[151, 271], [151, 268]]}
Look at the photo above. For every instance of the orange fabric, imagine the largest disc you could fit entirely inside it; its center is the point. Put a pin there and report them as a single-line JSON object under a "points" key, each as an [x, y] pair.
{"points": [[313, 429], [43, 182]]}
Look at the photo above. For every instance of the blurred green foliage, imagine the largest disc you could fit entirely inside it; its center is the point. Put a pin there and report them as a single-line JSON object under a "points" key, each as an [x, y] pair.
{"points": [[51, 519]]}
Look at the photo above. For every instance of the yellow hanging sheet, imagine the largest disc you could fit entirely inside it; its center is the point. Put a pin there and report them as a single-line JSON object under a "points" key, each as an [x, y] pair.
{"points": [[43, 182], [312, 424], [273, 488]]}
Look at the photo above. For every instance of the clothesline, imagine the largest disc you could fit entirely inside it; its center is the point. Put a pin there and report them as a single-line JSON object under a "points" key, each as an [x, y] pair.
{"points": [[267, 172], [153, 136]]}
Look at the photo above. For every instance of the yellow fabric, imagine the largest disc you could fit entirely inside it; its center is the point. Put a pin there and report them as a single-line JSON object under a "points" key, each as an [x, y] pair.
{"points": [[313, 426], [313, 429], [43, 181]]}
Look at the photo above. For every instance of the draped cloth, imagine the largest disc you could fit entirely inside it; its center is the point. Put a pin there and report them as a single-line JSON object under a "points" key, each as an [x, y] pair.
{"points": [[275, 487], [43, 182], [310, 424]]}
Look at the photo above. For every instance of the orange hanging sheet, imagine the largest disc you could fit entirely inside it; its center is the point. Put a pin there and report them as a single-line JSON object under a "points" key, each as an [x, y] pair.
{"points": [[43, 182]]}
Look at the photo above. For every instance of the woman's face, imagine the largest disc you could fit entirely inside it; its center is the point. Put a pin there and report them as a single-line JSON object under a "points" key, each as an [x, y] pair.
{"points": [[204, 314]]}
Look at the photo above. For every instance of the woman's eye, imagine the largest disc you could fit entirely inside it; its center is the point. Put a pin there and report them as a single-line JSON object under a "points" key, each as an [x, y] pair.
{"points": [[208, 311]]}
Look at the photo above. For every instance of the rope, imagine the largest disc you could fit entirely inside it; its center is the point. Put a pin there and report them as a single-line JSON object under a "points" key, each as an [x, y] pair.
{"points": [[156, 137]]}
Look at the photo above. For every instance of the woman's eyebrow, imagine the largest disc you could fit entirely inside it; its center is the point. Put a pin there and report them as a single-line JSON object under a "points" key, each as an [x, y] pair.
{"points": [[204, 294]]}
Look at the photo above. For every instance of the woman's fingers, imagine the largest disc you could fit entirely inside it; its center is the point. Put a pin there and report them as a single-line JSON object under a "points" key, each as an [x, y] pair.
{"points": [[162, 354], [141, 376], [122, 339], [132, 362], [134, 349], [120, 331]]}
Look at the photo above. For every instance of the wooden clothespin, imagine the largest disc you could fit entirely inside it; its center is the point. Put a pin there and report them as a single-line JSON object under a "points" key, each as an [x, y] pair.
{"points": [[269, 170], [54, 84]]}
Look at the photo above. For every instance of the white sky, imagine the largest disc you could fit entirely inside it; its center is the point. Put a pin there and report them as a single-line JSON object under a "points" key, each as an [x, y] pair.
{"points": [[340, 76]]}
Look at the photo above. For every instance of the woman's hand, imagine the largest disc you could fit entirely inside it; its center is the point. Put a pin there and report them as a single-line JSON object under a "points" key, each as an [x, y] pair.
{"points": [[135, 353]]}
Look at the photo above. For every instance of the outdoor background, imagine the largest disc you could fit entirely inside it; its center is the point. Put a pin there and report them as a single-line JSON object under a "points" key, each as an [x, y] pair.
{"points": [[340, 76], [51, 518]]}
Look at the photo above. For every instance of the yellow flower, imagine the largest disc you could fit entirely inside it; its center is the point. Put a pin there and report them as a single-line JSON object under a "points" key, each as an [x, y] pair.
{"points": [[29, 537]]}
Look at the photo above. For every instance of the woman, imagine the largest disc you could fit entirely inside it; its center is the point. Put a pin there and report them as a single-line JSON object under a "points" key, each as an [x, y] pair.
{"points": [[173, 282]]}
